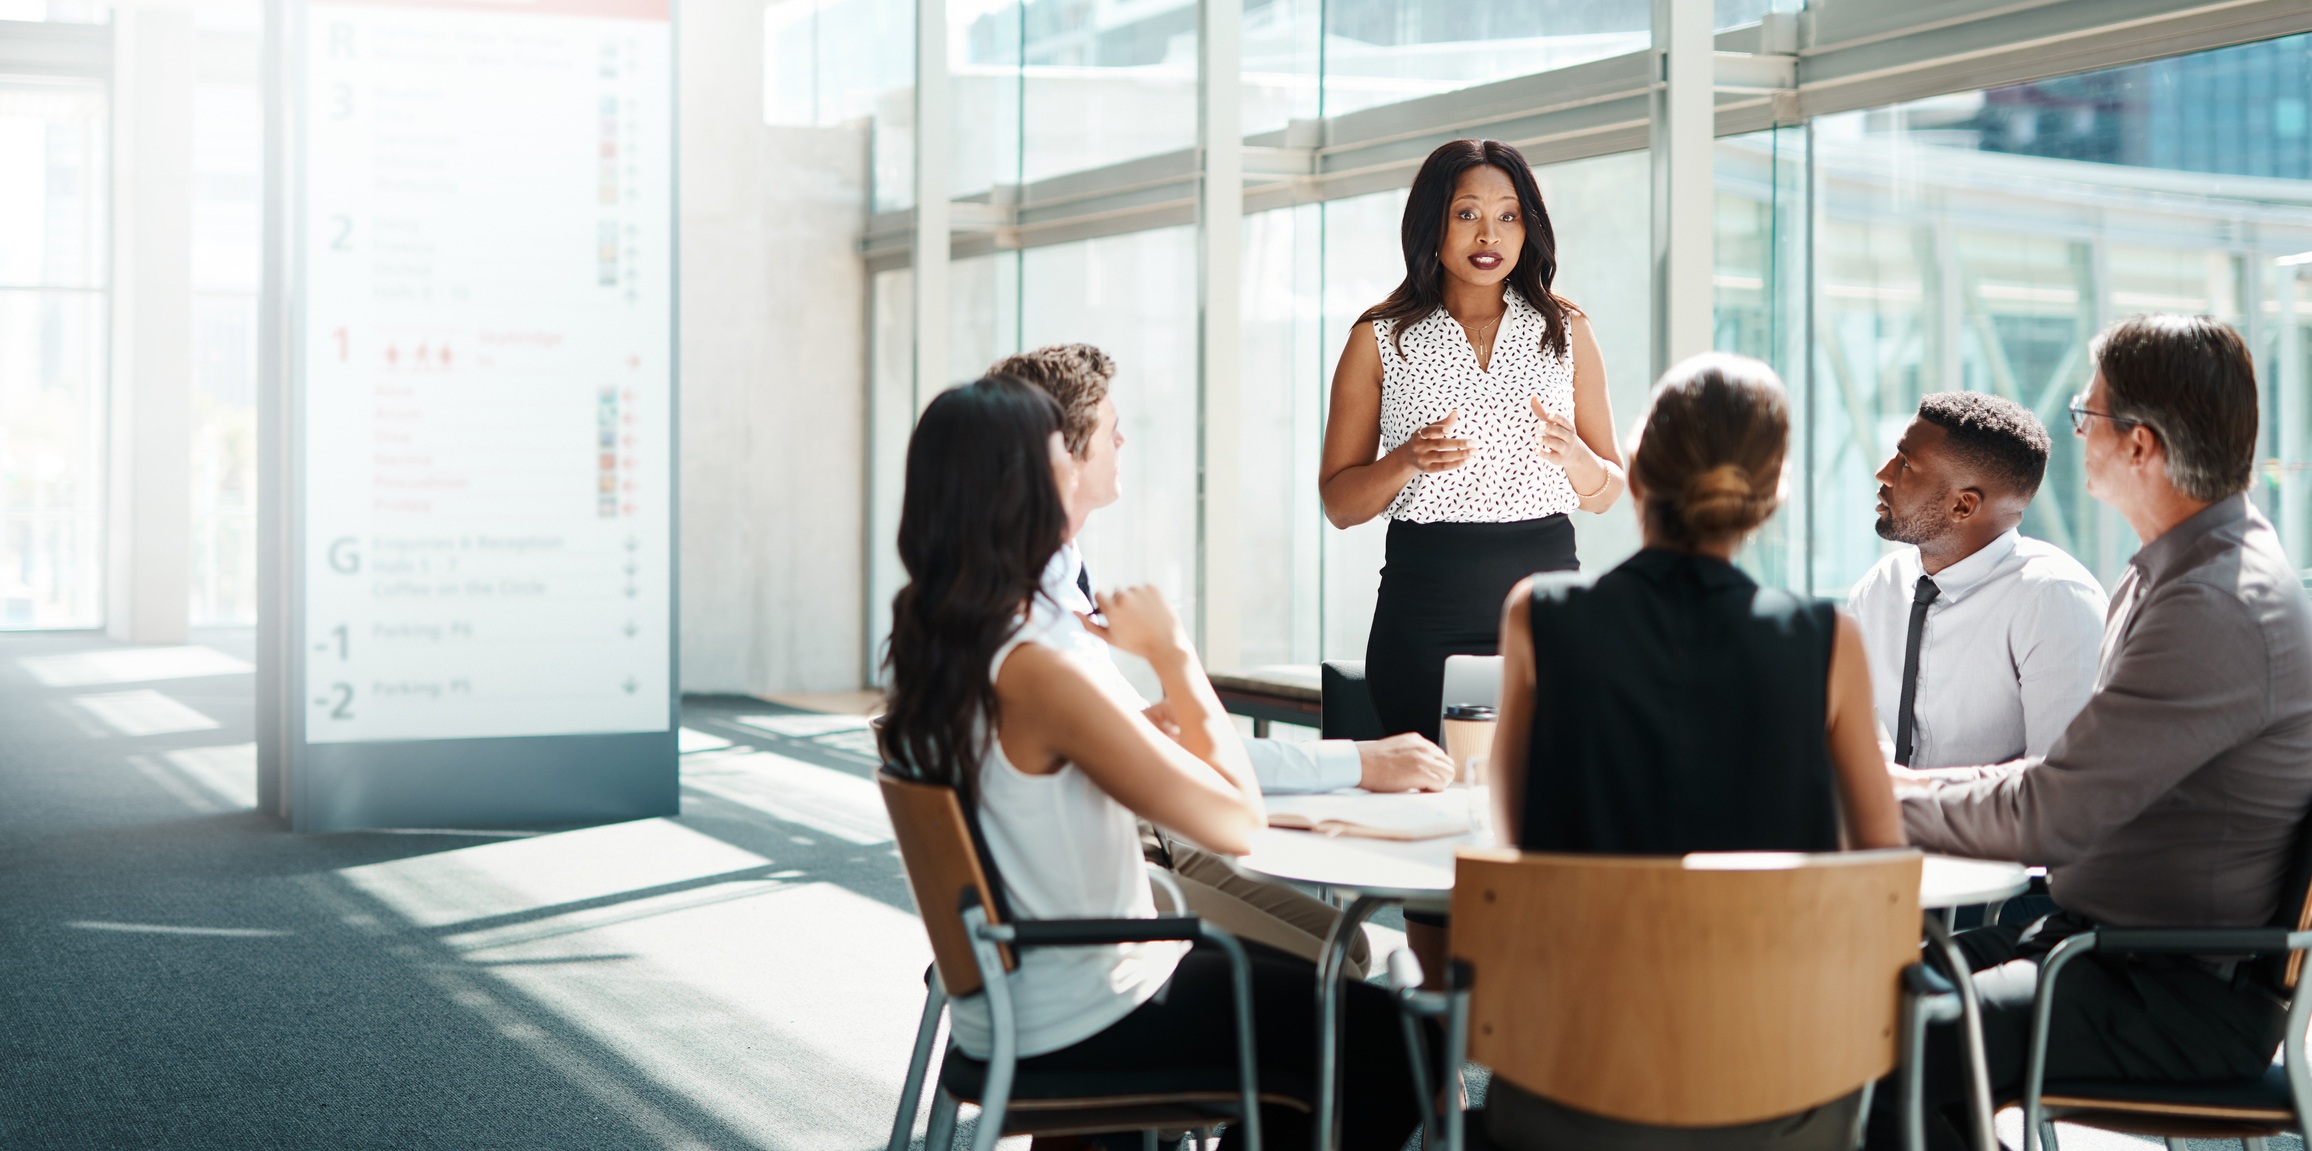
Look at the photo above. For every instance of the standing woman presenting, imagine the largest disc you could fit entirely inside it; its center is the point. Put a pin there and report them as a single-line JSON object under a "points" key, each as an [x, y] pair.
{"points": [[1470, 408]]}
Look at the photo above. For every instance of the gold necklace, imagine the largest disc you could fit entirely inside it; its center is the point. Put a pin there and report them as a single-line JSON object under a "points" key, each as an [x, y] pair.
{"points": [[1474, 334]]}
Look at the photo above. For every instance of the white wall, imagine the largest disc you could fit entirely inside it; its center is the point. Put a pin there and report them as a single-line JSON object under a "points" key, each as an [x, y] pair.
{"points": [[773, 377]]}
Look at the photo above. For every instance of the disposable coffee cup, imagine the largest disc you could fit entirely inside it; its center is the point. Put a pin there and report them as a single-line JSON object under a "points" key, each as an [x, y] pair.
{"points": [[1468, 731]]}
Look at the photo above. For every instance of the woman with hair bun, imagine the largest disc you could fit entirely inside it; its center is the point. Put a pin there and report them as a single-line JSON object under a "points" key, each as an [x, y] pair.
{"points": [[1672, 705]]}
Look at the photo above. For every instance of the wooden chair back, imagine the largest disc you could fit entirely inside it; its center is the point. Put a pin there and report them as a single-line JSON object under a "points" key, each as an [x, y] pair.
{"points": [[942, 862], [1701, 991], [2295, 910]]}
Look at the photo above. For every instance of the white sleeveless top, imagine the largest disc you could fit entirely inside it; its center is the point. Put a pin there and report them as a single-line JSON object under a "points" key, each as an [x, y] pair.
{"points": [[1065, 850], [1506, 479]]}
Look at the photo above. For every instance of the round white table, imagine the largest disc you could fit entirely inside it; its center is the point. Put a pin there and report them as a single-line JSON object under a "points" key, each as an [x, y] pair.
{"points": [[1419, 875]]}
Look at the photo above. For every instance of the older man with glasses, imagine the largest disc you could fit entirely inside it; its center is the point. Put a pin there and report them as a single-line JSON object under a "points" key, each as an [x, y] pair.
{"points": [[2175, 796]]}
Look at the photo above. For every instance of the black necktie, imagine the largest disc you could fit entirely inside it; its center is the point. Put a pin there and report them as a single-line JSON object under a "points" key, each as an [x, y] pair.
{"points": [[1926, 593], [1084, 584]]}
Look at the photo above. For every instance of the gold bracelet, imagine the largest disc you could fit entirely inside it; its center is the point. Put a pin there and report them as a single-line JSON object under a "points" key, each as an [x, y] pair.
{"points": [[1601, 487]]}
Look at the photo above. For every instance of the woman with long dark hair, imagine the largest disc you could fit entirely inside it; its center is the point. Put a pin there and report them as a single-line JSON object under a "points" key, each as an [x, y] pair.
{"points": [[1056, 769], [1470, 408]]}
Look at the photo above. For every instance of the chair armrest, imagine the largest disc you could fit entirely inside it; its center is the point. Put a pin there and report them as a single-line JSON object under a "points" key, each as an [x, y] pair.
{"points": [[1920, 979], [2194, 940], [1937, 997], [1088, 932]]}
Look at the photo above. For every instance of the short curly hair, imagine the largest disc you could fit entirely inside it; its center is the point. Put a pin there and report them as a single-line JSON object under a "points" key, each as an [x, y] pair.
{"points": [[1077, 375], [1995, 435]]}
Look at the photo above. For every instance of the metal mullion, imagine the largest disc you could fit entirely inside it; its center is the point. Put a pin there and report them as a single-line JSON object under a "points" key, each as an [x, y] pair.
{"points": [[1884, 55]]}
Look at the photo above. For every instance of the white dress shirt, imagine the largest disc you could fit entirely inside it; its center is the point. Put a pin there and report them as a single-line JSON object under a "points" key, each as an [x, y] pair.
{"points": [[2006, 659], [1283, 768]]}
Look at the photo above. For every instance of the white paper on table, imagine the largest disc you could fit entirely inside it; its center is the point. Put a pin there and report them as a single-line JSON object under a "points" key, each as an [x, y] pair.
{"points": [[1411, 815]]}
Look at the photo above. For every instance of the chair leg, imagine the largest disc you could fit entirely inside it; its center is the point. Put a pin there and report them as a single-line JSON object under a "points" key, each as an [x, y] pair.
{"points": [[2178, 1143], [927, 1033], [2047, 1135], [1148, 1139], [2247, 1143], [941, 1134]]}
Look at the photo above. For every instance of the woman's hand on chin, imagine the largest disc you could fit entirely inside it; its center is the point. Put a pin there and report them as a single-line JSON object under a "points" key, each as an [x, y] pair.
{"points": [[1140, 622]]}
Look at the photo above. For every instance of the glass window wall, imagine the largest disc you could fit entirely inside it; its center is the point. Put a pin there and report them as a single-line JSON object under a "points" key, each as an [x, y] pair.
{"points": [[228, 159], [1978, 241], [53, 281], [1971, 241]]}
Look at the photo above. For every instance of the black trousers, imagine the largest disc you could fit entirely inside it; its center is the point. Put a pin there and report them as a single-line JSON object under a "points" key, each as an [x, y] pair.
{"points": [[1442, 587], [2156, 1018], [1190, 1025]]}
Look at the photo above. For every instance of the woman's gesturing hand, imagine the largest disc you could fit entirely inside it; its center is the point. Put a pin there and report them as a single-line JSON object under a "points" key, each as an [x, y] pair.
{"points": [[1435, 451], [1138, 621], [1560, 444]]}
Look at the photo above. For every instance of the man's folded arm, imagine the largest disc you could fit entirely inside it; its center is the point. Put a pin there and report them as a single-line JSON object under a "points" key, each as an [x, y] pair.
{"points": [[1294, 768], [2187, 684]]}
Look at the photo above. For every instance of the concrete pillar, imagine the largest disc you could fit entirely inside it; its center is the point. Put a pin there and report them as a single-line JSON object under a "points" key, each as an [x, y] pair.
{"points": [[1220, 271], [1684, 124], [773, 377], [149, 505]]}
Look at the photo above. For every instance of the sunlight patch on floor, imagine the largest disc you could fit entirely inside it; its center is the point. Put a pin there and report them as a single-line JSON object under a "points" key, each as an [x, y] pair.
{"points": [[518, 876], [131, 665], [804, 726], [142, 712], [835, 802], [749, 1008], [229, 774]]}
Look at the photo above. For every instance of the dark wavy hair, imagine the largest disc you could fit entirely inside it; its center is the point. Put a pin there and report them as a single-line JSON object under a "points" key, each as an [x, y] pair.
{"points": [[979, 519], [1423, 231]]}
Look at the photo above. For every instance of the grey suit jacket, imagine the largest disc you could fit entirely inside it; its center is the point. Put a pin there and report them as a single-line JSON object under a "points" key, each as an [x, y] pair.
{"points": [[2174, 797]]}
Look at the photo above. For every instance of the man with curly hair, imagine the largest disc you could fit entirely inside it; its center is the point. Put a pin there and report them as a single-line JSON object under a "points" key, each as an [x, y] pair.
{"points": [[1982, 641], [1079, 376]]}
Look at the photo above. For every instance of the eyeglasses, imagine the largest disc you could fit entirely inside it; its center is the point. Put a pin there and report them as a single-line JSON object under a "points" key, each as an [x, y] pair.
{"points": [[2080, 411]]}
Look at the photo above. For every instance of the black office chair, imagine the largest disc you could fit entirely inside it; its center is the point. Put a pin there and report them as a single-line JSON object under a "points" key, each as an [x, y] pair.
{"points": [[2251, 1110], [1348, 704], [972, 939]]}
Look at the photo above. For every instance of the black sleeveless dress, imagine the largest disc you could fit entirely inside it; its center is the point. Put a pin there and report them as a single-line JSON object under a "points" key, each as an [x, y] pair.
{"points": [[1678, 707]]}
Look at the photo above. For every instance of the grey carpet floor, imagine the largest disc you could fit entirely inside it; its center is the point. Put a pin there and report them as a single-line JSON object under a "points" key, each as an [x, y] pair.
{"points": [[178, 971]]}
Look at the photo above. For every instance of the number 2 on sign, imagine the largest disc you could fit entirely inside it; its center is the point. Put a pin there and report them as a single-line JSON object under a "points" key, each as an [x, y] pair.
{"points": [[344, 708]]}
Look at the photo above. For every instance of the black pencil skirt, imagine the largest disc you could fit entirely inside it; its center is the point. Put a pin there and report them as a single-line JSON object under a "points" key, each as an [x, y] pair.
{"points": [[1442, 586]]}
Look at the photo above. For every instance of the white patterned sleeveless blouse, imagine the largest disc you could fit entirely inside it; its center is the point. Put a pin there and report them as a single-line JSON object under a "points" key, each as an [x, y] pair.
{"points": [[1506, 479]]}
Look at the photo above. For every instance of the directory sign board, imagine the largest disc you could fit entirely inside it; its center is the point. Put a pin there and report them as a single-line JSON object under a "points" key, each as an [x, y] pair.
{"points": [[481, 363]]}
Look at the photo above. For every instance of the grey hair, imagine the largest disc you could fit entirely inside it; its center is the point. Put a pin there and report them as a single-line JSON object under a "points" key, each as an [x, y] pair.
{"points": [[2190, 380]]}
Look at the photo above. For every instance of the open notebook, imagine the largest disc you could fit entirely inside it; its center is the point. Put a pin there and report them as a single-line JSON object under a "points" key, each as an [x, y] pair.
{"points": [[1417, 815]]}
